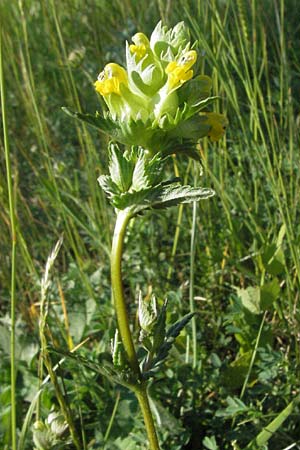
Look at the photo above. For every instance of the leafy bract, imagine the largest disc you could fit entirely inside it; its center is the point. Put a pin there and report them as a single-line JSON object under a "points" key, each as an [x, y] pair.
{"points": [[135, 183]]}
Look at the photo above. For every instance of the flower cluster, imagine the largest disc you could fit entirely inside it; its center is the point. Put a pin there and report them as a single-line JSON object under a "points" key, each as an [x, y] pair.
{"points": [[156, 69], [158, 102]]}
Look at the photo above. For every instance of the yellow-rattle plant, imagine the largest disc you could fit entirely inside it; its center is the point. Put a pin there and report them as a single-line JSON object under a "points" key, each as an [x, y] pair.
{"points": [[156, 106]]}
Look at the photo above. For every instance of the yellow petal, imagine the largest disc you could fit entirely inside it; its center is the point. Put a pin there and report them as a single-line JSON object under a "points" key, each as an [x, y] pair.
{"points": [[140, 46], [179, 71], [110, 78]]}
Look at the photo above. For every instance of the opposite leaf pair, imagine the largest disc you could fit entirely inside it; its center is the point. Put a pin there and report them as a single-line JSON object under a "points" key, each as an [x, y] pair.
{"points": [[135, 182]]}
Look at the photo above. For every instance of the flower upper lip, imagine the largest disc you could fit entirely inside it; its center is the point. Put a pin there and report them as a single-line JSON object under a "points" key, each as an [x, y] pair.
{"points": [[140, 46], [180, 71], [110, 79]]}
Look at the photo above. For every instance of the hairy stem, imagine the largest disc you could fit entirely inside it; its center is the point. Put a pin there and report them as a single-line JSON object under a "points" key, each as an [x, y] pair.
{"points": [[123, 218]]}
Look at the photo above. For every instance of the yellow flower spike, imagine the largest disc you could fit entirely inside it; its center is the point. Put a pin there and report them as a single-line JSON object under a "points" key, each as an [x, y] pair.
{"points": [[110, 78], [180, 71], [218, 124], [140, 46]]}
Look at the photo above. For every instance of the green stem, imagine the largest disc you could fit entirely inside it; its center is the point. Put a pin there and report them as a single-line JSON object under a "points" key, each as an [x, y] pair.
{"points": [[253, 355], [106, 436], [143, 399], [13, 255], [192, 277], [123, 218], [62, 402]]}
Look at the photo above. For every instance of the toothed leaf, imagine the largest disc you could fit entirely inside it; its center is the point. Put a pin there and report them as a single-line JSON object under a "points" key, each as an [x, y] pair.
{"points": [[175, 194], [121, 168], [176, 328], [106, 125], [164, 347]]}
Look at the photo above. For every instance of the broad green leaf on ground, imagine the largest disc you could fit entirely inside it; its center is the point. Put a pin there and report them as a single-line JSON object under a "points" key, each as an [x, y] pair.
{"points": [[257, 299]]}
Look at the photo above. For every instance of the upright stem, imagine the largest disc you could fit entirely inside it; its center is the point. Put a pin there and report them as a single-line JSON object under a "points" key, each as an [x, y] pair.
{"points": [[123, 218], [143, 399], [13, 255], [61, 400], [192, 275], [140, 390]]}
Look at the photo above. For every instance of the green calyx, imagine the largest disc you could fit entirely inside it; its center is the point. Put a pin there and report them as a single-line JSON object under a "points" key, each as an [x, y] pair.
{"points": [[157, 101]]}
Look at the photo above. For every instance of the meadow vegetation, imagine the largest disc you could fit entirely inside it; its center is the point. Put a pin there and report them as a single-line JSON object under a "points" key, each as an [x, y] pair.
{"points": [[232, 379]]}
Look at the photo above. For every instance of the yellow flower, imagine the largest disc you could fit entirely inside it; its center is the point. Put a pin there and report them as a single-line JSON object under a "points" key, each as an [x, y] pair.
{"points": [[218, 124], [180, 71], [110, 78], [140, 46]]}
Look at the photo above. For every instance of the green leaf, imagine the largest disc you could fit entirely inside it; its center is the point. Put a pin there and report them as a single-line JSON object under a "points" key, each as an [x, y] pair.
{"points": [[132, 175], [147, 312], [106, 125], [121, 169], [127, 443], [176, 328], [135, 201], [135, 182], [178, 136], [272, 256], [257, 299], [250, 299], [163, 347], [77, 322], [104, 367], [210, 443], [276, 264], [159, 332], [201, 104], [154, 169], [167, 422], [234, 408], [269, 293], [174, 194], [109, 187], [148, 171], [186, 148], [140, 179], [195, 90], [161, 197], [118, 354], [234, 375], [192, 128], [273, 259], [268, 431]]}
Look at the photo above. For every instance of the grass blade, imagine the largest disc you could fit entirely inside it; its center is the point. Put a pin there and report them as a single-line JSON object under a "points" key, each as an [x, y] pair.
{"points": [[13, 253], [263, 437]]}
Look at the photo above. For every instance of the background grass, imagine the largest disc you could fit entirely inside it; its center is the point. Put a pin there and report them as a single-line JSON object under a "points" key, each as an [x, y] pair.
{"points": [[246, 367]]}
